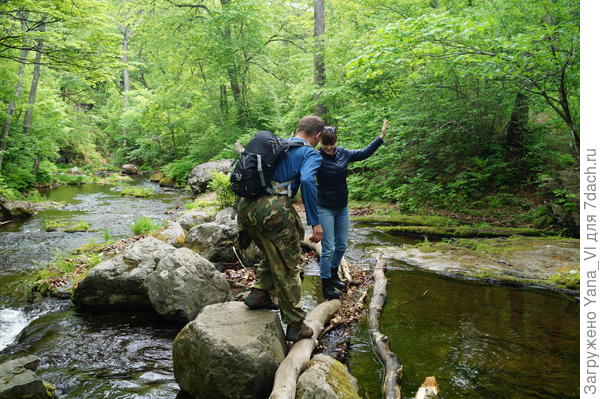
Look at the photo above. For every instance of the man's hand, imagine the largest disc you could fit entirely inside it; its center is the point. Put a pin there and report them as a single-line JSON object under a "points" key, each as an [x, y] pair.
{"points": [[317, 233], [384, 129]]}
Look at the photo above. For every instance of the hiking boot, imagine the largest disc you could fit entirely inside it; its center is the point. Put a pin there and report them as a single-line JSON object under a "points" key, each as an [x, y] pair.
{"points": [[297, 331], [337, 283], [260, 299], [329, 290]]}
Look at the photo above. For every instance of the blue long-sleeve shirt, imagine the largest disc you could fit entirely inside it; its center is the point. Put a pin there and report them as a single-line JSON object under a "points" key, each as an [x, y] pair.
{"points": [[333, 190], [301, 165]]}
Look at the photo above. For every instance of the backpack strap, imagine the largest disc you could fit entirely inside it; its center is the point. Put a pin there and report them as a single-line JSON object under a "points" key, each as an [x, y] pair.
{"points": [[276, 187]]}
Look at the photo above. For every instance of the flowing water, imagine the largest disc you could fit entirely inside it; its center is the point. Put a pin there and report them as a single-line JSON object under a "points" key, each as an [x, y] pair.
{"points": [[479, 340]]}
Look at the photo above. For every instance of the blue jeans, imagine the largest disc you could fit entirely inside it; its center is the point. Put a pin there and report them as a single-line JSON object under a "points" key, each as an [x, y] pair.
{"points": [[335, 226]]}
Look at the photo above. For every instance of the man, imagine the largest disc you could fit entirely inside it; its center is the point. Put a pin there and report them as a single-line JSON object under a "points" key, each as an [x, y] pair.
{"points": [[275, 227]]}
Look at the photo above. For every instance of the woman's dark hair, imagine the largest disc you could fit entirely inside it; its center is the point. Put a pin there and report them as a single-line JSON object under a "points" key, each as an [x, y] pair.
{"points": [[311, 125], [329, 137]]}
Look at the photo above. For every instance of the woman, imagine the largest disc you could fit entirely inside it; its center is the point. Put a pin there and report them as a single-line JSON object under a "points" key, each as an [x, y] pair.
{"points": [[333, 204]]}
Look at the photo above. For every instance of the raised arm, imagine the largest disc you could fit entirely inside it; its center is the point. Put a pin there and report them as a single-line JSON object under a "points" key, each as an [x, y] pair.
{"points": [[359, 155]]}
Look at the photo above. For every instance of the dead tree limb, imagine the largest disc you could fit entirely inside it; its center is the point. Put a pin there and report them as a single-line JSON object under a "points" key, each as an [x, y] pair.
{"points": [[393, 369], [344, 269], [299, 355], [429, 389]]}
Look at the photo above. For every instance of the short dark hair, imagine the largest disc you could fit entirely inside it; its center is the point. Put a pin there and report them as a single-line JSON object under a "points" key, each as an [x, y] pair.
{"points": [[329, 137], [311, 125]]}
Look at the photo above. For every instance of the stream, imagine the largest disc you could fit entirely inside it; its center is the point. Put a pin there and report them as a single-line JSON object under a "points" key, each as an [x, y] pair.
{"points": [[479, 340]]}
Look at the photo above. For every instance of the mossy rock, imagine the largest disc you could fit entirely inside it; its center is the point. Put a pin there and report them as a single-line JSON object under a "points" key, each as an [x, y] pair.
{"points": [[157, 176], [54, 225], [462, 231], [78, 227], [406, 220], [326, 378], [167, 182]]}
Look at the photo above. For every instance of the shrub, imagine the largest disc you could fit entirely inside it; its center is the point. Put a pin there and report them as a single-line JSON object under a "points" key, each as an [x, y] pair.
{"points": [[220, 185], [179, 170], [145, 225]]}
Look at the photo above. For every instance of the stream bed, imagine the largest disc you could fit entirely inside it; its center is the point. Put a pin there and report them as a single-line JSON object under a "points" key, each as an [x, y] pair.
{"points": [[479, 340]]}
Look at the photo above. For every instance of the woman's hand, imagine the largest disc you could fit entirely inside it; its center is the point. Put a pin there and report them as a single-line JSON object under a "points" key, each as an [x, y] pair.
{"points": [[384, 129]]}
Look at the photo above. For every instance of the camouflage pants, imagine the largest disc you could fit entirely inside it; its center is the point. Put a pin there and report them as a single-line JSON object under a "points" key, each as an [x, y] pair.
{"points": [[275, 227]]}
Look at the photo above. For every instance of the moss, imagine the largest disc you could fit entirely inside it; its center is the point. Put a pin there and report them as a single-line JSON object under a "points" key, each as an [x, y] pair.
{"points": [[166, 182], [53, 225], [406, 220], [201, 203], [80, 226], [337, 377], [64, 268], [568, 279], [50, 390], [114, 178], [512, 244], [461, 231], [157, 176], [137, 191]]}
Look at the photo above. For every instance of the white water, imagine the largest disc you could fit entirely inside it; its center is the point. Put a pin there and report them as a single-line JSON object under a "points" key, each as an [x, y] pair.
{"points": [[12, 322]]}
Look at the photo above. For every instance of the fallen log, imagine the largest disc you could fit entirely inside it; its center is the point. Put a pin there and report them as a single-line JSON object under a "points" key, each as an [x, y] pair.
{"points": [[344, 268], [393, 369], [429, 389], [296, 361]]}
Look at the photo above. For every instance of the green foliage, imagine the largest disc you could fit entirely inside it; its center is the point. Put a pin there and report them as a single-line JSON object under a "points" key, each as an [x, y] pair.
{"points": [[219, 183], [145, 225], [179, 170], [106, 235]]}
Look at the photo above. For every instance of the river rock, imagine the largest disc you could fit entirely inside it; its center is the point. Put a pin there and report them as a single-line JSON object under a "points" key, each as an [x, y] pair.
{"points": [[229, 352], [18, 380], [157, 176], [199, 177], [214, 241], [172, 234], [16, 209], [119, 281], [196, 216], [183, 283], [130, 169], [326, 378], [166, 182]]}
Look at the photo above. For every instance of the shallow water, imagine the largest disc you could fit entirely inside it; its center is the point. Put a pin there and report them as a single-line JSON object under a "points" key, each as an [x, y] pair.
{"points": [[479, 340]]}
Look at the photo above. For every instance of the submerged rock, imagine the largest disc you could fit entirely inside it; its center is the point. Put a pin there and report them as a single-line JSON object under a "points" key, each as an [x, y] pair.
{"points": [[326, 378], [18, 380], [515, 259], [183, 283], [172, 234], [130, 169], [229, 352], [119, 281], [200, 176]]}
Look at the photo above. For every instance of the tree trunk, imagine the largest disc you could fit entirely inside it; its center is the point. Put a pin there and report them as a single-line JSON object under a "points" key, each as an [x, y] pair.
{"points": [[34, 81], [319, 56], [126, 82], [393, 369], [517, 126], [296, 361], [13, 104]]}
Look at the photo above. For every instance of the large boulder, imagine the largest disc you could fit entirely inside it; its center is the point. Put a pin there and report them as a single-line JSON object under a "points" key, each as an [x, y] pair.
{"points": [[183, 283], [199, 177], [215, 240], [326, 378], [229, 352], [119, 281], [130, 169], [18, 380], [16, 209], [196, 216], [172, 234]]}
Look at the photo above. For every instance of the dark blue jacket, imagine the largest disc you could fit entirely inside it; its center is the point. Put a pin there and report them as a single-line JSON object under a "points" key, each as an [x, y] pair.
{"points": [[331, 177]]}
